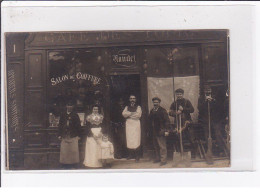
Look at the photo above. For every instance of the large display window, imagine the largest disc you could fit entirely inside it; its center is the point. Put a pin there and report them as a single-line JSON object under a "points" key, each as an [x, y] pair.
{"points": [[74, 76]]}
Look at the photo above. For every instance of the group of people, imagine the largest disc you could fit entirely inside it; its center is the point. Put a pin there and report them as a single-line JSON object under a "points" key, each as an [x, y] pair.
{"points": [[99, 151]]}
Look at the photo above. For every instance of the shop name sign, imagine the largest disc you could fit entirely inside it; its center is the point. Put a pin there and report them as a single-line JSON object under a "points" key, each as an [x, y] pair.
{"points": [[124, 56], [53, 38], [79, 76]]}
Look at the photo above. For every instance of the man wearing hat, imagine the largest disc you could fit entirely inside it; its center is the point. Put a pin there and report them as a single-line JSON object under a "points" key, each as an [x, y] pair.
{"points": [[182, 107], [216, 113], [159, 127], [69, 132]]}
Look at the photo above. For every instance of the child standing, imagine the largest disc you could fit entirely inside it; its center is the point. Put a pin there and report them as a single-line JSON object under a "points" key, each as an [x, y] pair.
{"points": [[107, 151]]}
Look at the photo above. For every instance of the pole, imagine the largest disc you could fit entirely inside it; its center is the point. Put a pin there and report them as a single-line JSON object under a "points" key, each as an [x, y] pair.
{"points": [[208, 156], [209, 119], [181, 138]]}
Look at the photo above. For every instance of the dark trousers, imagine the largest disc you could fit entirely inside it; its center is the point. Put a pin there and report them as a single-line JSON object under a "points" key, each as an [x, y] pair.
{"points": [[134, 153], [120, 140], [159, 143], [188, 134], [216, 132]]}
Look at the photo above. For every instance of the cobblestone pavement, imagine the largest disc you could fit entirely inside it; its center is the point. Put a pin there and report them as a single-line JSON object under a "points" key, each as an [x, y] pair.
{"points": [[146, 164]]}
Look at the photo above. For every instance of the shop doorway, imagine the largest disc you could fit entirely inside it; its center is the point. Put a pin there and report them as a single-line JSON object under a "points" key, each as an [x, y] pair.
{"points": [[121, 87]]}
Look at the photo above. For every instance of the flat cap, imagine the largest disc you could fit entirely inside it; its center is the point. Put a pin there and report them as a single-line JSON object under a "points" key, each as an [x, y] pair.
{"points": [[156, 98], [69, 103], [179, 90], [207, 87]]}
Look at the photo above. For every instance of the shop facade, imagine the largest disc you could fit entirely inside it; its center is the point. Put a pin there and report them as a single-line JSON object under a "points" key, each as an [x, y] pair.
{"points": [[44, 70]]}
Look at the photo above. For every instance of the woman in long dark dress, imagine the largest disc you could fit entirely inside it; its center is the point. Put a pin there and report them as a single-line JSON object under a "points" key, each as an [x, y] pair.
{"points": [[93, 149], [69, 133]]}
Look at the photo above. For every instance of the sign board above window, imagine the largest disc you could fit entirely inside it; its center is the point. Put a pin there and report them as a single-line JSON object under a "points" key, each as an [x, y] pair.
{"points": [[124, 58]]}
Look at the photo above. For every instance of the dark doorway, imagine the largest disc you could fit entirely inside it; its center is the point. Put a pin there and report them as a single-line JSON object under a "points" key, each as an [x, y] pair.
{"points": [[121, 87]]}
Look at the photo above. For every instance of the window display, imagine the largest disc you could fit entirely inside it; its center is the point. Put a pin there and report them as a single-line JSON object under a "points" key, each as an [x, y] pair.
{"points": [[74, 76]]}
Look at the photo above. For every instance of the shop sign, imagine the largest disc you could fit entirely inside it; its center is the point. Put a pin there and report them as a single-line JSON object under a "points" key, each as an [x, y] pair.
{"points": [[124, 58], [78, 76], [63, 38], [12, 99]]}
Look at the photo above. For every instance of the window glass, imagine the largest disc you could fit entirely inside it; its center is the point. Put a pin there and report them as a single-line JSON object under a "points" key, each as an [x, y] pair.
{"points": [[75, 76], [185, 61], [169, 61]]}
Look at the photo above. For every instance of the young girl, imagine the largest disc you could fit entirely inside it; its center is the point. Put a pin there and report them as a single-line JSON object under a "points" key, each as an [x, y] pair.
{"points": [[107, 151]]}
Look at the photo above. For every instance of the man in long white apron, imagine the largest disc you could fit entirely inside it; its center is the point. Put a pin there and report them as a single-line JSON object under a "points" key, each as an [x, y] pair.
{"points": [[133, 113]]}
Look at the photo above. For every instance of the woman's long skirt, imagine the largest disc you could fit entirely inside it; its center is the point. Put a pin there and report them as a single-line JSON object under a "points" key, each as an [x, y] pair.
{"points": [[69, 151], [93, 152]]}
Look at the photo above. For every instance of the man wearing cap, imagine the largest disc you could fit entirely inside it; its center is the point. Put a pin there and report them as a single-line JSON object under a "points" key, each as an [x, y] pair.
{"points": [[159, 127], [69, 132], [182, 107], [217, 117]]}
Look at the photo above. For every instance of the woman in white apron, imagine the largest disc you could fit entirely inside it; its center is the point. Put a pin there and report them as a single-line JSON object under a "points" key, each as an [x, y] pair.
{"points": [[94, 139]]}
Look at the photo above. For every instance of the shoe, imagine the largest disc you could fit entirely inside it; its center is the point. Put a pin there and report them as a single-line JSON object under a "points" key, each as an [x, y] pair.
{"points": [[163, 163], [156, 161]]}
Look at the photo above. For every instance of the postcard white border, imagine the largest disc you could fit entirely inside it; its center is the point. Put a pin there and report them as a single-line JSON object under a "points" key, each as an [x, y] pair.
{"points": [[239, 19]]}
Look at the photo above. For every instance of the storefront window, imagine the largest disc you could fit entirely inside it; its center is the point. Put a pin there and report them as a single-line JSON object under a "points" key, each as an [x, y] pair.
{"points": [[75, 76], [185, 61], [170, 68], [158, 63], [169, 61]]}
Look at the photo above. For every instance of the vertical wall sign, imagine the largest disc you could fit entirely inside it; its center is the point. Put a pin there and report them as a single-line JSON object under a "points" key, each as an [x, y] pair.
{"points": [[14, 103]]}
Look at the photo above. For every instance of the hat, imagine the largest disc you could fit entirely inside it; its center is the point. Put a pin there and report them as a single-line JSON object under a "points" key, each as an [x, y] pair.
{"points": [[69, 103], [207, 87], [179, 90], [156, 98]]}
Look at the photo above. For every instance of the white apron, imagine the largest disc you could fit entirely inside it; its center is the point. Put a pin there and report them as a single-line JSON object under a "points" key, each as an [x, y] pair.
{"points": [[133, 133], [93, 150], [133, 128]]}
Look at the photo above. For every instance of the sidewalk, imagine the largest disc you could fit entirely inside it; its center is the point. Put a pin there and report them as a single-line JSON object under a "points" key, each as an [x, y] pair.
{"points": [[146, 164]]}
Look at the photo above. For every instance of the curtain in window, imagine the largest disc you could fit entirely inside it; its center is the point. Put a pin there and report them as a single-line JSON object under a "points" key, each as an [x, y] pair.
{"points": [[164, 89], [190, 85]]}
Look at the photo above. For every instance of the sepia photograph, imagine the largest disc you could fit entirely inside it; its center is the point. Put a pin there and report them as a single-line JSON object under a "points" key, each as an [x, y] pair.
{"points": [[145, 99]]}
